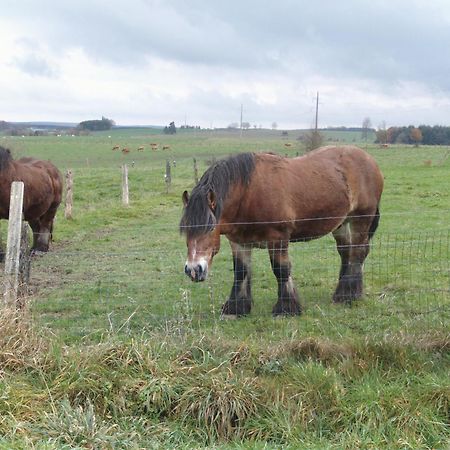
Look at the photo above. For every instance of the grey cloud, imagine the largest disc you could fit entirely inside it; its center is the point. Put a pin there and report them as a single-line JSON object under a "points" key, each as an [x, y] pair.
{"points": [[34, 65], [378, 44], [380, 40]]}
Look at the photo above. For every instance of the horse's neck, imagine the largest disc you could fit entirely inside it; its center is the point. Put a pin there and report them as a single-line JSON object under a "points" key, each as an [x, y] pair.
{"points": [[6, 167], [231, 205]]}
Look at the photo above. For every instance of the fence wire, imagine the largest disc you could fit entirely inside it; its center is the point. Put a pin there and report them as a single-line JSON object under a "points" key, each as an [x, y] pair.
{"points": [[131, 289]]}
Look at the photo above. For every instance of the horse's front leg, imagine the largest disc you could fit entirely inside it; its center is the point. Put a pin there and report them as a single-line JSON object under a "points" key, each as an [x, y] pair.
{"points": [[288, 302], [240, 301]]}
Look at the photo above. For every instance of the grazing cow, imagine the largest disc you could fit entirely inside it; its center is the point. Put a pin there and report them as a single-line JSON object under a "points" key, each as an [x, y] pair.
{"points": [[116, 147], [125, 150], [141, 148], [166, 147]]}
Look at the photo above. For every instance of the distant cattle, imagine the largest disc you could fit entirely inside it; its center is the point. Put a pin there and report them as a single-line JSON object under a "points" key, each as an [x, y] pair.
{"points": [[141, 148], [125, 150], [166, 147], [116, 147], [154, 146]]}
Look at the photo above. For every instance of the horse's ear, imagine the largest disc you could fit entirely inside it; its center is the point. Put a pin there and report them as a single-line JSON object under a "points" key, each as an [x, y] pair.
{"points": [[185, 198], [212, 200]]}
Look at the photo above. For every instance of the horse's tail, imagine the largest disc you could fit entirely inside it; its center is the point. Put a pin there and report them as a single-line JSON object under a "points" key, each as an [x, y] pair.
{"points": [[374, 224]]}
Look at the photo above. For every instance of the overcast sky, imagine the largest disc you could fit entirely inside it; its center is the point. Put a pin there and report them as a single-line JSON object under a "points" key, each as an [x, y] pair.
{"points": [[196, 61]]}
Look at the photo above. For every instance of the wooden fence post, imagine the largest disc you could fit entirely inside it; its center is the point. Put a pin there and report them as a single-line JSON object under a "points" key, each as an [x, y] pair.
{"points": [[69, 195], [125, 192], [168, 176], [195, 172], [12, 260]]}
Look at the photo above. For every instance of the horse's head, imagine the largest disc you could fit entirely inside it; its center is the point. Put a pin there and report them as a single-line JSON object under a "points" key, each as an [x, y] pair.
{"points": [[5, 157], [202, 235]]}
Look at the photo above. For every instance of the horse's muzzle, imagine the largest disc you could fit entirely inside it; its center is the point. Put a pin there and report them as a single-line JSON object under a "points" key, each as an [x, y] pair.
{"points": [[196, 273]]}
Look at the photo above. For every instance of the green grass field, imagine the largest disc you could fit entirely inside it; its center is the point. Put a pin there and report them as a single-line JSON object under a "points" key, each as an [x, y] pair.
{"points": [[120, 350]]}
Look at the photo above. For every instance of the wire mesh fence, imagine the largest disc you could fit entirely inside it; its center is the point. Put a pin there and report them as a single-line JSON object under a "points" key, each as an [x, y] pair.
{"points": [[136, 287]]}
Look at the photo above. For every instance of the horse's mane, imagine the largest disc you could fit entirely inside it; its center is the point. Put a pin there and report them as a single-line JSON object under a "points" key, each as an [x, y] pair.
{"points": [[197, 216], [5, 158]]}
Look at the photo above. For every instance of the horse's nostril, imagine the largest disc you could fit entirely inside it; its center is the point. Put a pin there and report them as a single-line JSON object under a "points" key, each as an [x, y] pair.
{"points": [[199, 269]]}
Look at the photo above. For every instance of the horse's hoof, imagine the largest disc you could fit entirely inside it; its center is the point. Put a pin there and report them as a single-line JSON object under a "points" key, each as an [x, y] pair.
{"points": [[228, 317], [286, 310], [282, 315], [236, 308], [344, 299]]}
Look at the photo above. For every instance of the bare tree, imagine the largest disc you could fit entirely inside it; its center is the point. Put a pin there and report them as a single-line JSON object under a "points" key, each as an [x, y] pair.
{"points": [[366, 126], [312, 139]]}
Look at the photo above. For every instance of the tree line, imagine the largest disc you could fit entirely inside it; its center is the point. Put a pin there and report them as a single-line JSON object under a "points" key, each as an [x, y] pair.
{"points": [[96, 125], [423, 134]]}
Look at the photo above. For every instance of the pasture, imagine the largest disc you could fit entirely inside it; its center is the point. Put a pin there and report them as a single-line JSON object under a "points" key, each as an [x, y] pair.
{"points": [[120, 350]]}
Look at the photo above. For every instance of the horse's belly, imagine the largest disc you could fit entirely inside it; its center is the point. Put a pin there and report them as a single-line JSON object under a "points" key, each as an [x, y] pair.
{"points": [[309, 229]]}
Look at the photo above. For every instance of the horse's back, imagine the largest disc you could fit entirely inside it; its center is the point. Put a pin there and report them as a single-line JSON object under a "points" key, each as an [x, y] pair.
{"points": [[358, 171], [41, 168], [309, 196], [43, 185], [361, 173]]}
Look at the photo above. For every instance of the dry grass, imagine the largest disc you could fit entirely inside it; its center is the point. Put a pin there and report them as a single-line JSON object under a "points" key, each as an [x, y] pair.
{"points": [[221, 405], [207, 390], [21, 346]]}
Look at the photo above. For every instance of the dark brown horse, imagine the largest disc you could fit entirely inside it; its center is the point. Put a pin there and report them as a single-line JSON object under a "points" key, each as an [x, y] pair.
{"points": [[264, 199], [42, 194]]}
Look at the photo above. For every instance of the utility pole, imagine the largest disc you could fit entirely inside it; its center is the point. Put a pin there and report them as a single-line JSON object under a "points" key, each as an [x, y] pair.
{"points": [[317, 111], [242, 110]]}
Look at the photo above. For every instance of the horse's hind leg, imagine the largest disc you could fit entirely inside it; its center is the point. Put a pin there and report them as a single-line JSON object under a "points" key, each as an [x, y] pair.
{"points": [[36, 228], [352, 239], [288, 303], [240, 301], [42, 235]]}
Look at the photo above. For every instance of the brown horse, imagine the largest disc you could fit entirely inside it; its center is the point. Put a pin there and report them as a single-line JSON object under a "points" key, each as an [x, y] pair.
{"points": [[42, 194], [266, 200]]}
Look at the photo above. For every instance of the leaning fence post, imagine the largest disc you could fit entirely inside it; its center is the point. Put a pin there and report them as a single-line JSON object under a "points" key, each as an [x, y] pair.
{"points": [[125, 194], [195, 171], [69, 195], [12, 259], [168, 176]]}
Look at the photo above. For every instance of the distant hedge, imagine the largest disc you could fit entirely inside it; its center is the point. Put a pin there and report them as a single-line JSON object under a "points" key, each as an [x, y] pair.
{"points": [[96, 125]]}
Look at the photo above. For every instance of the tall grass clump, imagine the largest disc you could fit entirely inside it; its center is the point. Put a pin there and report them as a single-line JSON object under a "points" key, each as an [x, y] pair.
{"points": [[21, 345], [221, 405]]}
